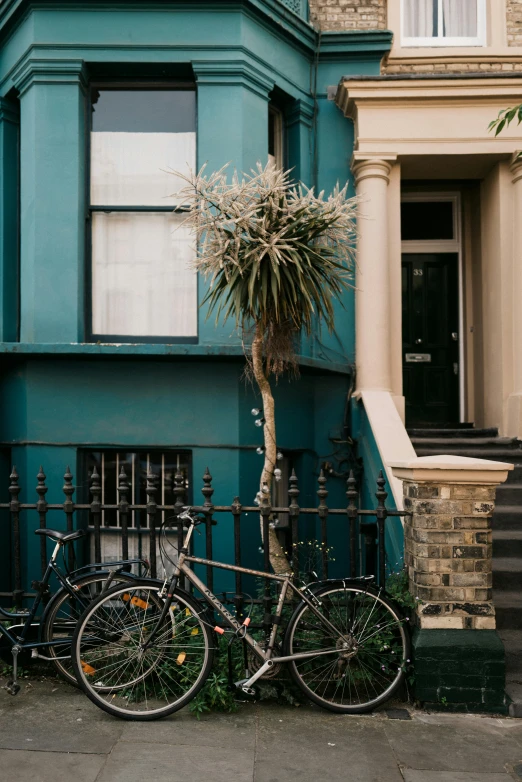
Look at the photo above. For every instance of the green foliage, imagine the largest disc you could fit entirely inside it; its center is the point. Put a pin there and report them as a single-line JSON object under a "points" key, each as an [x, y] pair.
{"points": [[397, 587], [505, 117], [277, 255]]}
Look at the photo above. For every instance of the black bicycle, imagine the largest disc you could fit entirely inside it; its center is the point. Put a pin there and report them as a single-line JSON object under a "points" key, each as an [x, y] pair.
{"points": [[62, 610], [144, 651]]}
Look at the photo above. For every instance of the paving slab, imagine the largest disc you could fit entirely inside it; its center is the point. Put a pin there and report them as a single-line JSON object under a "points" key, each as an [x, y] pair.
{"points": [[137, 762], [311, 745], [237, 730], [452, 776], [49, 766], [55, 717], [455, 744]]}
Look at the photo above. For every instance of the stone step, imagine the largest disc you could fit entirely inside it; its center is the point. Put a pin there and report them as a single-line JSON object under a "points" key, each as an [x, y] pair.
{"points": [[509, 494], [466, 443], [507, 517], [510, 455], [507, 543], [444, 434], [508, 610], [507, 573]]}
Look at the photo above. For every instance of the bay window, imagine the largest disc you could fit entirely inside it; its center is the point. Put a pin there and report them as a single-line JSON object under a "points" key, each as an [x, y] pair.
{"points": [[443, 22], [143, 287]]}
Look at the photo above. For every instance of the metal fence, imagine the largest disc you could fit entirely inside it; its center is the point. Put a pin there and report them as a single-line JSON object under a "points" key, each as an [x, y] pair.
{"points": [[370, 524]]}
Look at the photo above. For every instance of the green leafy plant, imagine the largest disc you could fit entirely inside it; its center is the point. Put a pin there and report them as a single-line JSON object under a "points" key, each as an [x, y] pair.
{"points": [[397, 587], [505, 118]]}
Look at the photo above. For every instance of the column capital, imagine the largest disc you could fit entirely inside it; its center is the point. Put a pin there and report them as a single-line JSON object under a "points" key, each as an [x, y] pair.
{"points": [[42, 71], [225, 73], [516, 166], [366, 166]]}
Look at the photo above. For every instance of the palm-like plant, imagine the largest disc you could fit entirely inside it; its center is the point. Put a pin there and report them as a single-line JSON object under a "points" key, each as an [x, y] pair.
{"points": [[277, 256]]}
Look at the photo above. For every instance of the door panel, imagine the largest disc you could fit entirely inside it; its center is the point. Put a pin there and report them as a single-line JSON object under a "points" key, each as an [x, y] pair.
{"points": [[429, 325]]}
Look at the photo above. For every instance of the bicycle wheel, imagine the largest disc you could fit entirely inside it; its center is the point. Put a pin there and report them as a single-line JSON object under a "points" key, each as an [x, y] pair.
{"points": [[63, 612], [362, 648], [123, 678]]}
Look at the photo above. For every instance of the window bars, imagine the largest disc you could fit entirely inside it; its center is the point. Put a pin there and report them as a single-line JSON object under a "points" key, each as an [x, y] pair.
{"points": [[363, 531]]}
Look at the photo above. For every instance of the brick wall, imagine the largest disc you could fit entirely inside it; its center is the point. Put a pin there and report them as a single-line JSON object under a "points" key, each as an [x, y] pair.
{"points": [[514, 22], [371, 15], [348, 14]]}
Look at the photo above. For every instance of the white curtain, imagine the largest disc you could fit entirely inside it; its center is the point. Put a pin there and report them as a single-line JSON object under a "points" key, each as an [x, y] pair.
{"points": [[419, 18], [142, 281], [133, 168], [460, 18]]}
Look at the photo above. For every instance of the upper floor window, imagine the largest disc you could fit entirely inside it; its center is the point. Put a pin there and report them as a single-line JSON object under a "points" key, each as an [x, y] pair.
{"points": [[443, 23], [142, 283]]}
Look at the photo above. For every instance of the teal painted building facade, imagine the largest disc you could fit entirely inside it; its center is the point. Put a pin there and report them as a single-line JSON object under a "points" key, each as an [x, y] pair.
{"points": [[65, 394]]}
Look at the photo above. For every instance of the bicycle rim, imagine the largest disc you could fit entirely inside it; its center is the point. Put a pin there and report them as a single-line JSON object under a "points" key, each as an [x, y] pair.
{"points": [[125, 677], [65, 612], [369, 649]]}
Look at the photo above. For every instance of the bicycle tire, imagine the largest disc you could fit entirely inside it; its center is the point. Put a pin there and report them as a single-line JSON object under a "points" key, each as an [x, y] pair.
{"points": [[370, 650], [55, 624], [107, 653]]}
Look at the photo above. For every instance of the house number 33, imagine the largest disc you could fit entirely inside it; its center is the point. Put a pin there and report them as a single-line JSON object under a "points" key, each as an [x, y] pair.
{"points": [[418, 272]]}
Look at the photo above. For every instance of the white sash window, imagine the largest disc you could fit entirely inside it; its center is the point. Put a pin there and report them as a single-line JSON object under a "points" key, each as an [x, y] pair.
{"points": [[443, 23], [143, 286]]}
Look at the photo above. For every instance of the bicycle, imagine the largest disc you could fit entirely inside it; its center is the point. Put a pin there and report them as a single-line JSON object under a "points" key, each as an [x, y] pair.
{"points": [[62, 609], [144, 652]]}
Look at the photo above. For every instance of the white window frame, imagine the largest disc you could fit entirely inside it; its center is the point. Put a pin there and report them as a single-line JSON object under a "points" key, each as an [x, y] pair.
{"points": [[440, 40]]}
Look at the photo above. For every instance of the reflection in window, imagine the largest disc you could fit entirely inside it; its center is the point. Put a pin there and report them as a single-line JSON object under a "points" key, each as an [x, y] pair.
{"points": [[143, 285]]}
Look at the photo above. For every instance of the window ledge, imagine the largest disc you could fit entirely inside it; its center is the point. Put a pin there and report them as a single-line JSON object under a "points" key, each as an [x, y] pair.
{"points": [[148, 350]]}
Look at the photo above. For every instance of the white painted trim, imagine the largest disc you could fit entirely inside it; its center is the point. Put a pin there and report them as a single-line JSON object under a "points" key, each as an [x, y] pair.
{"points": [[446, 246], [440, 41], [390, 435]]}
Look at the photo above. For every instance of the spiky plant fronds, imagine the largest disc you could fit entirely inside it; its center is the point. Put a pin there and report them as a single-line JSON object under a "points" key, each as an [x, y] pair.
{"points": [[276, 254]]}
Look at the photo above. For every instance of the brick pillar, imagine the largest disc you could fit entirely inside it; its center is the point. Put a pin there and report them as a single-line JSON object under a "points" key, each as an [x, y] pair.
{"points": [[459, 658]]}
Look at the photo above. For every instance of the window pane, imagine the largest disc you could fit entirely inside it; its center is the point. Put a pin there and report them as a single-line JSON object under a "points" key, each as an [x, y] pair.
{"points": [[460, 18], [420, 18], [426, 220], [144, 111], [137, 138], [142, 283]]}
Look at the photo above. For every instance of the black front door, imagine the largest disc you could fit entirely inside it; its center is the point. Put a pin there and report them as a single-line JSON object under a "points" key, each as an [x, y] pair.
{"points": [[430, 348]]}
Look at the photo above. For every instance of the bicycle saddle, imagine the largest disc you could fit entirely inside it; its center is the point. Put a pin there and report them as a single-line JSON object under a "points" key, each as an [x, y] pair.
{"points": [[61, 536]]}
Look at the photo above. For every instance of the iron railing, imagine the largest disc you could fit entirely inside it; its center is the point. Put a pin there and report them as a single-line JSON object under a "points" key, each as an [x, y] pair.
{"points": [[359, 522]]}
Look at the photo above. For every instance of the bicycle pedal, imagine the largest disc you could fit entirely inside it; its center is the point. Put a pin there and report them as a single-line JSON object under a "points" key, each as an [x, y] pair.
{"points": [[12, 688]]}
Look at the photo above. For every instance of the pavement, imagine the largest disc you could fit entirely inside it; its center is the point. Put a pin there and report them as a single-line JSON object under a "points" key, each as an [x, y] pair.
{"points": [[52, 733]]}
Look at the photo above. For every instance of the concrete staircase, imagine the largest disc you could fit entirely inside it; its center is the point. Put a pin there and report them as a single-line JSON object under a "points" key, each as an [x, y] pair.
{"points": [[507, 532]]}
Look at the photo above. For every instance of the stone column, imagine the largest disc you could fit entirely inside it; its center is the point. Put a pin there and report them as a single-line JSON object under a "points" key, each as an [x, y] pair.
{"points": [[372, 301], [232, 127], [515, 398], [52, 199], [459, 657]]}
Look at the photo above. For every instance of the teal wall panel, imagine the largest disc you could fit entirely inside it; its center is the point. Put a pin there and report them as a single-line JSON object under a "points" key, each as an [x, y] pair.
{"points": [[367, 449], [9, 228], [52, 210]]}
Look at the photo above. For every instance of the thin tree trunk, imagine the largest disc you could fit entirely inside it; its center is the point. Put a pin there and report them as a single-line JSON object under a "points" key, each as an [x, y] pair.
{"points": [[278, 559]]}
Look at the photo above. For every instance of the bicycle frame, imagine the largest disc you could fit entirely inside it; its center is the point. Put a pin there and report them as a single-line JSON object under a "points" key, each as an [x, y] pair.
{"points": [[20, 641], [212, 600]]}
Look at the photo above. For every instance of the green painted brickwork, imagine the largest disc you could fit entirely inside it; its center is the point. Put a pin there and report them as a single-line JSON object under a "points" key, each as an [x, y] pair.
{"points": [[459, 669]]}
